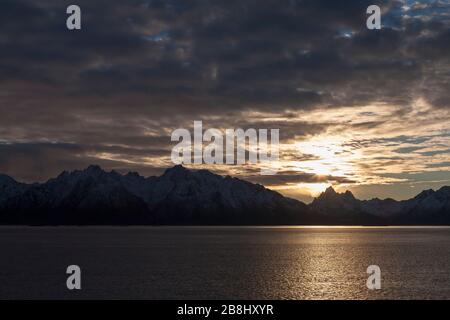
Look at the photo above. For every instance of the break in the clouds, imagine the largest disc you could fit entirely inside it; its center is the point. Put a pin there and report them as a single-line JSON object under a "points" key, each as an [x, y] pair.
{"points": [[367, 110]]}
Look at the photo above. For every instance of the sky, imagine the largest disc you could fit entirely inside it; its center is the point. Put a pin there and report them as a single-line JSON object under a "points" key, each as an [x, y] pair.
{"points": [[357, 109]]}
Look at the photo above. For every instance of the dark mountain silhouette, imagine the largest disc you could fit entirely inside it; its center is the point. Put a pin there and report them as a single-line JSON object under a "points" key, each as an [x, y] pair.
{"points": [[343, 207], [197, 197], [179, 196], [429, 207]]}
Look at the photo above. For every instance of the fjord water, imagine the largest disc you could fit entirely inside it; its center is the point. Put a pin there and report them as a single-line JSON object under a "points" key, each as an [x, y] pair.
{"points": [[224, 262]]}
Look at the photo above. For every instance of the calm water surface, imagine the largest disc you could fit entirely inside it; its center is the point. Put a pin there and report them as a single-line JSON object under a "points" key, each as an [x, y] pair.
{"points": [[224, 263]]}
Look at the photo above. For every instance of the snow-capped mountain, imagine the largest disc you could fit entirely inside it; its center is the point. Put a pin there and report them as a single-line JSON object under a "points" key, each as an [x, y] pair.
{"points": [[429, 207], [185, 195], [182, 196], [179, 196]]}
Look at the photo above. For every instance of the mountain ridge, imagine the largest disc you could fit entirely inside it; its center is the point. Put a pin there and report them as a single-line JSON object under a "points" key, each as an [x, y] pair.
{"points": [[181, 196], [428, 207]]}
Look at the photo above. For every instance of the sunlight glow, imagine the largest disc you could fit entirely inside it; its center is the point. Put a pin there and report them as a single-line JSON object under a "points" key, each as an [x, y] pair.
{"points": [[331, 156], [314, 189]]}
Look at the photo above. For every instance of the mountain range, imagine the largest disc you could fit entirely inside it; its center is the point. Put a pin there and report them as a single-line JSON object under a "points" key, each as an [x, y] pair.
{"points": [[198, 197], [429, 208]]}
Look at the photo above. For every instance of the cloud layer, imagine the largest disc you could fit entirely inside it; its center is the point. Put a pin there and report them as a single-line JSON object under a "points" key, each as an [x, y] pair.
{"points": [[354, 106]]}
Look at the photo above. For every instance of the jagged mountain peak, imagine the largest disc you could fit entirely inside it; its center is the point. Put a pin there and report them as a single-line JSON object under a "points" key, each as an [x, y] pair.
{"points": [[425, 194], [349, 194], [94, 169], [133, 174], [437, 198], [430, 192], [337, 204], [445, 190], [330, 193], [330, 190], [176, 171]]}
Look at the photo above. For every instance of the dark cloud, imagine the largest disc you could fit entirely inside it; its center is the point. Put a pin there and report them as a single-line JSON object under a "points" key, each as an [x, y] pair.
{"points": [[294, 177], [139, 69], [34, 162], [217, 55]]}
